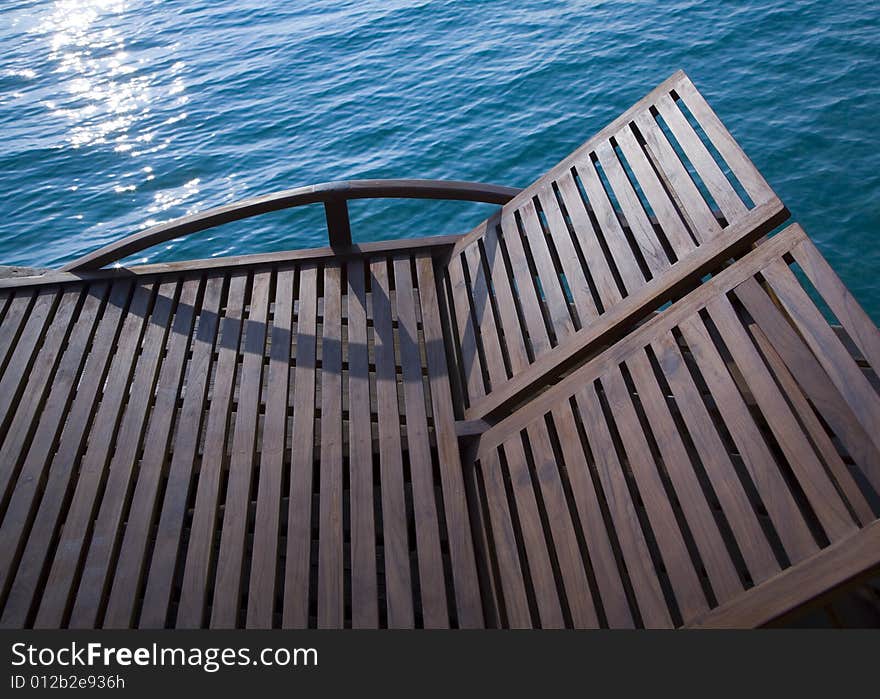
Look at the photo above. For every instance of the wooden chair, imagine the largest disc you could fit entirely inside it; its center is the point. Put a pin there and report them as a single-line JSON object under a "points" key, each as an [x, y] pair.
{"points": [[719, 466], [439, 432], [634, 216]]}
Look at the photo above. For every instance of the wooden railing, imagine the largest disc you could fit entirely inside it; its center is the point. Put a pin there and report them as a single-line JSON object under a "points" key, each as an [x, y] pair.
{"points": [[334, 195]]}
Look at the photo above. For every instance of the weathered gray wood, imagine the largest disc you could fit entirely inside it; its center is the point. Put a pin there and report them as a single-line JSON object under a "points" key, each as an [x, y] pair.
{"points": [[35, 475], [432, 585], [468, 604], [299, 518], [157, 595], [76, 533], [192, 608], [398, 586], [23, 589], [126, 578], [331, 612], [267, 519], [236, 506], [364, 598]]}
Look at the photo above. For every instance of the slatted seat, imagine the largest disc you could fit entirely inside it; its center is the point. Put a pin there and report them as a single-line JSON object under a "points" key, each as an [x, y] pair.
{"points": [[478, 430], [718, 466], [649, 204], [237, 447]]}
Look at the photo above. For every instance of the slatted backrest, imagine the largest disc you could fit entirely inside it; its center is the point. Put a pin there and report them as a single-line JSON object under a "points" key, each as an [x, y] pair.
{"points": [[733, 436], [647, 205]]}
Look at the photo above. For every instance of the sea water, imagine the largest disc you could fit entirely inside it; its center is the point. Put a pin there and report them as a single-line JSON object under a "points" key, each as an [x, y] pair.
{"points": [[119, 114]]}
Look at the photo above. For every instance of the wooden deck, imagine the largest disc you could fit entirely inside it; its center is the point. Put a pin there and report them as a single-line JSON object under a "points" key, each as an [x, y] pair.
{"points": [[509, 428], [177, 423]]}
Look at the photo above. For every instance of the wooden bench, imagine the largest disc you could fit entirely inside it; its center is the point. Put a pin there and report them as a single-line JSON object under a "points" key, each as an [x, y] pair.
{"points": [[228, 447], [718, 466], [632, 218], [505, 428]]}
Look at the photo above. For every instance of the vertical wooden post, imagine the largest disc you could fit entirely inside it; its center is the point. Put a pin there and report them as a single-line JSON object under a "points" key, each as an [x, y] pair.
{"points": [[338, 225]]}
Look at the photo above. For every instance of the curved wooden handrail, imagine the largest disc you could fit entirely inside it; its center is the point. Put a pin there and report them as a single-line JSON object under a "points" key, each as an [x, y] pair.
{"points": [[333, 195]]}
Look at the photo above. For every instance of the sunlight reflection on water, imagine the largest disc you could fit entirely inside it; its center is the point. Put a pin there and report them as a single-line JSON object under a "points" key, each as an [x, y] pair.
{"points": [[117, 114], [108, 93]]}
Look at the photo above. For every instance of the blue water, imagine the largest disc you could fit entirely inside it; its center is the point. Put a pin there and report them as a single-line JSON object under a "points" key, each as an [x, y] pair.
{"points": [[117, 115]]}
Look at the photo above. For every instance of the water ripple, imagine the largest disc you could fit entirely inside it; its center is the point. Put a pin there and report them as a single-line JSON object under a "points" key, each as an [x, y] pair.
{"points": [[116, 114]]}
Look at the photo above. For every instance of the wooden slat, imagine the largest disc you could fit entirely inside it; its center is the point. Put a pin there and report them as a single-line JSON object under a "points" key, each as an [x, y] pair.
{"points": [[682, 575], [662, 205], [267, 520], [22, 358], [534, 540], [233, 532], [756, 457], [24, 592], [592, 524], [811, 377], [681, 187], [550, 285], [571, 567], [824, 343], [33, 476], [851, 558], [157, 595], [126, 578], [38, 382], [299, 520], [631, 208], [432, 585], [483, 317], [467, 333], [192, 606], [5, 300], [707, 536], [435, 245], [634, 549], [849, 314], [611, 230], [812, 478], [825, 447], [331, 603], [469, 612], [364, 599], [575, 276], [716, 182], [535, 328], [77, 529], [587, 237], [743, 169], [13, 320], [504, 545], [514, 340], [102, 548], [398, 580]]}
